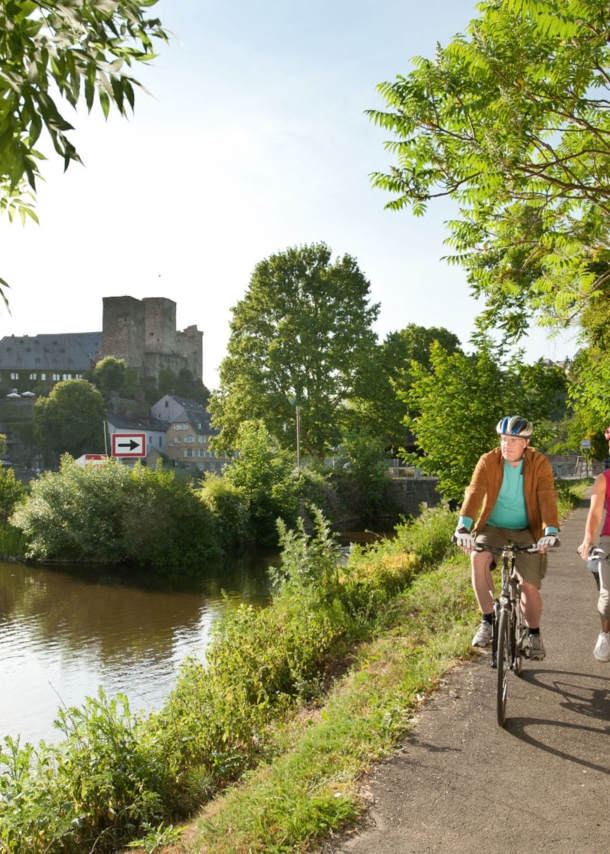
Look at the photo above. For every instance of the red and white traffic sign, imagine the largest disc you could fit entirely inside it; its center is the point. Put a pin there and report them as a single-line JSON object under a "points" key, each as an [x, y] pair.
{"points": [[129, 444]]}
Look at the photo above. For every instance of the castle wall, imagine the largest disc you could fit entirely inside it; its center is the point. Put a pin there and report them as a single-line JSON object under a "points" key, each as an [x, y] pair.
{"points": [[143, 332], [123, 330], [159, 325], [189, 343]]}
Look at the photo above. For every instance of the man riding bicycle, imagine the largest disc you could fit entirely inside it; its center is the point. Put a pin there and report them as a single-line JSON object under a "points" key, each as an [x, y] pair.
{"points": [[514, 490]]}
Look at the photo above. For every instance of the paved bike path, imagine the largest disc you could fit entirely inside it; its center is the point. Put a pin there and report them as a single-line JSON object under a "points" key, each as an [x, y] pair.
{"points": [[462, 784]]}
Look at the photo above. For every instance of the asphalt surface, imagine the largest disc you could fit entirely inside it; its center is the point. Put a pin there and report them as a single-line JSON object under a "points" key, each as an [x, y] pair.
{"points": [[462, 784]]}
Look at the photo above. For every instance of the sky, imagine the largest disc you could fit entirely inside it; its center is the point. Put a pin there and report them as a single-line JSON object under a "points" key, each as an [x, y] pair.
{"points": [[253, 138]]}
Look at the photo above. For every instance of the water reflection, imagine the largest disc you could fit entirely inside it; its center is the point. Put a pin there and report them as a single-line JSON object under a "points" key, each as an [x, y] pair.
{"points": [[64, 633]]}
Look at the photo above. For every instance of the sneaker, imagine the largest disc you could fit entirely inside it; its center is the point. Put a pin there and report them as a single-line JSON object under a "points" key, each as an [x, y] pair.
{"points": [[536, 650], [602, 647], [483, 635]]}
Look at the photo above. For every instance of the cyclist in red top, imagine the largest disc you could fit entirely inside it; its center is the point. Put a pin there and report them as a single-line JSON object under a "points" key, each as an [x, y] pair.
{"points": [[600, 502]]}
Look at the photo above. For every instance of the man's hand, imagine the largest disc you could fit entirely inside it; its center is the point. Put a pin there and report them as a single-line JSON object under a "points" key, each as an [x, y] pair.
{"points": [[547, 542], [464, 539]]}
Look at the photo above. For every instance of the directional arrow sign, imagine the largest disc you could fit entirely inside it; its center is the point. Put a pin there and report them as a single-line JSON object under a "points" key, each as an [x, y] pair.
{"points": [[129, 444]]}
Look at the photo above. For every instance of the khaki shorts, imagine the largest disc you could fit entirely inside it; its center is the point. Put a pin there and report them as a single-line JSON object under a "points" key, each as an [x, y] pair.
{"points": [[530, 567]]}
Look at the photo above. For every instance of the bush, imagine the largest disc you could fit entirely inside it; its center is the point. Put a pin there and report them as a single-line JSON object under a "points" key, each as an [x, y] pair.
{"points": [[11, 492], [230, 508], [116, 514]]}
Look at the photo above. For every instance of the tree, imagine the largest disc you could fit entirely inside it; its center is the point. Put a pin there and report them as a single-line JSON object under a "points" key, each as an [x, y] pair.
{"points": [[511, 120], [71, 49], [71, 419], [263, 474], [460, 401], [302, 337], [383, 414], [183, 384], [109, 375]]}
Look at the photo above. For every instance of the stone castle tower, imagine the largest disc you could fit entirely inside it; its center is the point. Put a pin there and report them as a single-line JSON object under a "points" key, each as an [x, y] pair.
{"points": [[143, 332]]}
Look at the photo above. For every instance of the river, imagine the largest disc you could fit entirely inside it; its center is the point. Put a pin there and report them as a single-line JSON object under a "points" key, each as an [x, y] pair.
{"points": [[65, 632]]}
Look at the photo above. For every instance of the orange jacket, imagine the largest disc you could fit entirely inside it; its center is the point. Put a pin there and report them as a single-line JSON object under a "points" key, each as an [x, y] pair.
{"points": [[538, 487]]}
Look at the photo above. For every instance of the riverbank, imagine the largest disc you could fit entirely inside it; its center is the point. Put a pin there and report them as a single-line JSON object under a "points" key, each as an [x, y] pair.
{"points": [[271, 720], [313, 788]]}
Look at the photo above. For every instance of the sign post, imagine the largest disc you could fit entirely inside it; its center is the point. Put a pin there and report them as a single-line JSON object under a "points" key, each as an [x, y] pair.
{"points": [[129, 444], [585, 446]]}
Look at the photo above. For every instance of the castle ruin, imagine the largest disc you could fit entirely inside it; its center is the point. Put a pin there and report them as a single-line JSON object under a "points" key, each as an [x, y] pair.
{"points": [[143, 333]]}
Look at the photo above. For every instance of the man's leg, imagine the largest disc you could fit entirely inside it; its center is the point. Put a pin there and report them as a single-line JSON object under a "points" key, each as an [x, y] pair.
{"points": [[531, 602], [483, 586], [482, 581]]}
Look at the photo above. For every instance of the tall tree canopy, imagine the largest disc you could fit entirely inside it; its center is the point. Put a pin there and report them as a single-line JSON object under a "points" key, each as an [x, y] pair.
{"points": [[512, 121], [301, 336], [67, 51], [460, 399], [382, 413]]}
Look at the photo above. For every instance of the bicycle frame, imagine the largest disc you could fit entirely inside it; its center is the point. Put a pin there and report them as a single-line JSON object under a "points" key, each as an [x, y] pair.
{"points": [[509, 634]]}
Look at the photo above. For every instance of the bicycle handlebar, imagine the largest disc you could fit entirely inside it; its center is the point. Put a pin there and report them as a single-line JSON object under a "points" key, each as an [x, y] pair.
{"points": [[499, 549], [597, 554]]}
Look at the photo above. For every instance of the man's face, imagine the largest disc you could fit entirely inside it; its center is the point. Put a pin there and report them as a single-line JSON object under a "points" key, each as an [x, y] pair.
{"points": [[512, 447]]}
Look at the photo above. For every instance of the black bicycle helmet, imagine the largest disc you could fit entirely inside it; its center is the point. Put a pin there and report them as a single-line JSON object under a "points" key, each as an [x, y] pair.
{"points": [[514, 425]]}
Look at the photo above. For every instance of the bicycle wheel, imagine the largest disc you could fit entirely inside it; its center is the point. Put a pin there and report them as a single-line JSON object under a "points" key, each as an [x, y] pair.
{"points": [[519, 639], [503, 665]]}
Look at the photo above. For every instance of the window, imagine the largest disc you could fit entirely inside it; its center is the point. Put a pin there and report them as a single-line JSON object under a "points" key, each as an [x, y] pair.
{"points": [[56, 378], [176, 440], [200, 466], [188, 440], [33, 376], [189, 452], [201, 439], [67, 376], [180, 426], [43, 376], [160, 441], [14, 376], [78, 376], [200, 452], [167, 404]]}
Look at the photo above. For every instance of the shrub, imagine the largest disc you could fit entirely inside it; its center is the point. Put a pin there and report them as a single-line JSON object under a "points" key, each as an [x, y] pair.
{"points": [[230, 508], [116, 514], [11, 492]]}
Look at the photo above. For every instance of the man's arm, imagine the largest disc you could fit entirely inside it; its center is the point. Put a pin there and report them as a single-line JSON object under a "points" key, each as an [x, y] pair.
{"points": [[475, 491], [547, 497]]}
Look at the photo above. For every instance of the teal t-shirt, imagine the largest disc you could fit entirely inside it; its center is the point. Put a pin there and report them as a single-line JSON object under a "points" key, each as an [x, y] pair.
{"points": [[509, 510]]}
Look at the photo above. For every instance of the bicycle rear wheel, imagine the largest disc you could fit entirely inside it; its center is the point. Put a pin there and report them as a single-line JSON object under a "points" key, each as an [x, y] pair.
{"points": [[504, 657]]}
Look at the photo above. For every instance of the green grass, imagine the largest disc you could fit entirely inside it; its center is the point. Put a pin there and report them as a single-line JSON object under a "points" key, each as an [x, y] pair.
{"points": [[312, 787], [571, 493]]}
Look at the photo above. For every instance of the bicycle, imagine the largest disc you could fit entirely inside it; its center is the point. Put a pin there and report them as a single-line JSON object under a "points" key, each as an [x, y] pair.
{"points": [[509, 642], [594, 559]]}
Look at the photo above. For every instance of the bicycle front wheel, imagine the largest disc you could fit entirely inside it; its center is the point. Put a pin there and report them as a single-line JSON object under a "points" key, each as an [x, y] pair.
{"points": [[519, 640], [504, 657]]}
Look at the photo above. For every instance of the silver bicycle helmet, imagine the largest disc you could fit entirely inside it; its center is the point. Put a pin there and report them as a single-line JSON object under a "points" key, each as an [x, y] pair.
{"points": [[514, 425]]}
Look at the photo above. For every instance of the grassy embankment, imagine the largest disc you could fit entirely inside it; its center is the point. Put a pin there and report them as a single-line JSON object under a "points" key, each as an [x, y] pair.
{"points": [[263, 716], [311, 787]]}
